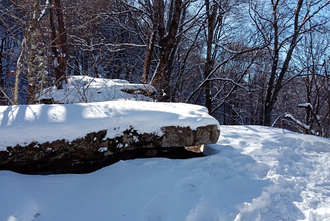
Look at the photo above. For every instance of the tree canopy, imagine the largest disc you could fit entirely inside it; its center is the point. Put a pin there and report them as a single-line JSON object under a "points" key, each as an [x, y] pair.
{"points": [[257, 62]]}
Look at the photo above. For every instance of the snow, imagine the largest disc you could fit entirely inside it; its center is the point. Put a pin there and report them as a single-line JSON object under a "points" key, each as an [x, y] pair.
{"points": [[88, 89], [306, 105], [25, 124], [307, 127], [252, 173]]}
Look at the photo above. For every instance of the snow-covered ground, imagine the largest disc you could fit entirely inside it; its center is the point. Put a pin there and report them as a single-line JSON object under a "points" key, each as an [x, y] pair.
{"points": [[87, 89], [252, 173]]}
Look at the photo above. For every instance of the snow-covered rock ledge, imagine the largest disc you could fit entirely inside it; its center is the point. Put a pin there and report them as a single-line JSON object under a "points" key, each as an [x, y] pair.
{"points": [[70, 137]]}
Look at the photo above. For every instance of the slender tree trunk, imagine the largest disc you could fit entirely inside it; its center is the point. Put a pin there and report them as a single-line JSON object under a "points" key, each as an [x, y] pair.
{"points": [[157, 27], [19, 66], [59, 44], [275, 87], [32, 52], [174, 52], [63, 41], [211, 20], [268, 106], [2, 82], [149, 51]]}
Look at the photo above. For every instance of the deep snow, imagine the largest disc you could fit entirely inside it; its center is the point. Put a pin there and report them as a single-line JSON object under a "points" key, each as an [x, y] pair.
{"points": [[252, 173]]}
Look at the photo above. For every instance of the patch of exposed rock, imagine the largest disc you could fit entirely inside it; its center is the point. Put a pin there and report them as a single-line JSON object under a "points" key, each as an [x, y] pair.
{"points": [[95, 150]]}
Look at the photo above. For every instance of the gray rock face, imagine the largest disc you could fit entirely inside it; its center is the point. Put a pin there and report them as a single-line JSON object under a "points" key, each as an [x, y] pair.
{"points": [[95, 150]]}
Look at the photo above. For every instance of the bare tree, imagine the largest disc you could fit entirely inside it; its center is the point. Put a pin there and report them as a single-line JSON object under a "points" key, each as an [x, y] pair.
{"points": [[228, 58], [313, 96], [12, 31], [282, 27], [214, 16]]}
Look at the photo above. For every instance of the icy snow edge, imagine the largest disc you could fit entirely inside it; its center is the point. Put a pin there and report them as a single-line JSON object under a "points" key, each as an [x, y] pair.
{"points": [[24, 124]]}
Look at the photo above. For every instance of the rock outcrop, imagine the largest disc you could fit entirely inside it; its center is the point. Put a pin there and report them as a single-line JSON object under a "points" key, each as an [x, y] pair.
{"points": [[96, 150], [83, 137]]}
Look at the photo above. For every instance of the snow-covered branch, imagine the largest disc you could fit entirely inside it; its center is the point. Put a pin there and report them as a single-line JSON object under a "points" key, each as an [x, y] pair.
{"points": [[44, 10], [306, 105], [299, 123], [83, 43], [315, 118]]}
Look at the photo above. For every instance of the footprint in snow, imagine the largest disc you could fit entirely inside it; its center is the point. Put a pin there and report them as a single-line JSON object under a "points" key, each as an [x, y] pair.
{"points": [[188, 189]]}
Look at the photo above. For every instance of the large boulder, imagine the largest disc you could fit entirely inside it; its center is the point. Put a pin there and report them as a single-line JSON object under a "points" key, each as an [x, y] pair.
{"points": [[80, 138], [94, 151]]}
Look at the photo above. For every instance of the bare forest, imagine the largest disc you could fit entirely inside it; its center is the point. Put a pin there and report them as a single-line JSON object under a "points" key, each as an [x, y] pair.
{"points": [[249, 62]]}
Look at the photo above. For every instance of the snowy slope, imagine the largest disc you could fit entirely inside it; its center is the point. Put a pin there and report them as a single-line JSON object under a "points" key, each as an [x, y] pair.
{"points": [[252, 173], [28, 123]]}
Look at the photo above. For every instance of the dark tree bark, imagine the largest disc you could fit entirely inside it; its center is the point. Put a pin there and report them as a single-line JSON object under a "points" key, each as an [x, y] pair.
{"points": [[2, 81], [151, 40], [59, 43], [161, 78], [211, 12], [148, 56]]}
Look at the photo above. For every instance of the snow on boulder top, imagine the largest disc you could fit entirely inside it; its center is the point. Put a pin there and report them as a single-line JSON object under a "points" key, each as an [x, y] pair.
{"points": [[87, 89], [24, 124]]}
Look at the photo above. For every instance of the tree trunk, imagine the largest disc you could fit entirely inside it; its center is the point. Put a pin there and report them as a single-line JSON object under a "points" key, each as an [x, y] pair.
{"points": [[148, 57], [161, 78], [32, 52], [211, 20], [274, 87], [59, 44], [2, 81]]}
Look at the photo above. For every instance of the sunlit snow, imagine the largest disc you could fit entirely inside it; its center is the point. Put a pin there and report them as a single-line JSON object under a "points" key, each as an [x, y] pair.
{"points": [[252, 173], [87, 89], [41, 123]]}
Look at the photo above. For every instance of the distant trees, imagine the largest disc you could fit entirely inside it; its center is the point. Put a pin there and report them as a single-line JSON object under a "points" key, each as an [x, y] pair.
{"points": [[282, 27], [312, 89], [248, 62], [11, 32]]}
